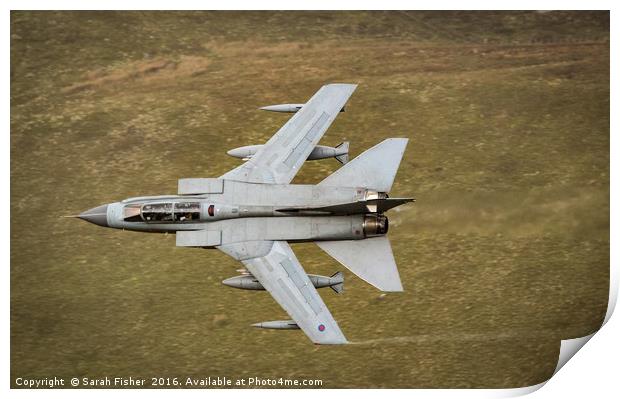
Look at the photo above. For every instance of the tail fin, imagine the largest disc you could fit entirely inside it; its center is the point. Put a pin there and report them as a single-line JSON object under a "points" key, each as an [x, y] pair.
{"points": [[375, 168], [344, 158], [371, 259], [338, 278]]}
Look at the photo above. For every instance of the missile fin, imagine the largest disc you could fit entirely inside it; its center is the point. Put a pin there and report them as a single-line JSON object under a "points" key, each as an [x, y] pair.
{"points": [[339, 286], [344, 158]]}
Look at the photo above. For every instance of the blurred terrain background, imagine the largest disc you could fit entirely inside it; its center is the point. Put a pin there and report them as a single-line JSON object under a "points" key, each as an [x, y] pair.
{"points": [[505, 252]]}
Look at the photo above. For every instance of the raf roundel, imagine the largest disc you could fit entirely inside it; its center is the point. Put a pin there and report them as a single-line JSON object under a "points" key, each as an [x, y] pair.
{"points": [[321, 327]]}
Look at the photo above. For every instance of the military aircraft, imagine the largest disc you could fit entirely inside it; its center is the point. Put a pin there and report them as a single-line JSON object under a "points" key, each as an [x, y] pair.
{"points": [[252, 212]]}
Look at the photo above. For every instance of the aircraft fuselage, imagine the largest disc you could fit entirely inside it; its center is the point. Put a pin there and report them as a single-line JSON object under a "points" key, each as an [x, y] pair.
{"points": [[259, 212]]}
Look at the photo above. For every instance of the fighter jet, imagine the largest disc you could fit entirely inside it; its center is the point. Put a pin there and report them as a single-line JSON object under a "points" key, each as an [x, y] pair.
{"points": [[252, 213]]}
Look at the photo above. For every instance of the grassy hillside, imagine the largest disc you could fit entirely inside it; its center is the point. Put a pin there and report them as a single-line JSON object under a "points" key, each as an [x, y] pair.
{"points": [[505, 252]]}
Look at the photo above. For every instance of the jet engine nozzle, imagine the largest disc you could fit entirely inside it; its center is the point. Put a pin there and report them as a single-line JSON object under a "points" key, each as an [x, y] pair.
{"points": [[375, 225]]}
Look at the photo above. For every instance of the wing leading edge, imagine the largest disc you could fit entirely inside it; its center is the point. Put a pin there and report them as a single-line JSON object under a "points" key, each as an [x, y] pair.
{"points": [[282, 275], [279, 160]]}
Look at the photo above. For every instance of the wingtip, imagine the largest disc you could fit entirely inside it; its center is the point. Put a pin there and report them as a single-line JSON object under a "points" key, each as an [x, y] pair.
{"points": [[392, 289], [351, 86], [405, 139], [342, 341]]}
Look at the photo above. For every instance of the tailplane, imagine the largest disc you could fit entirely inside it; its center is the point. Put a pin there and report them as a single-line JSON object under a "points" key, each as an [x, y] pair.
{"points": [[375, 168], [370, 259]]}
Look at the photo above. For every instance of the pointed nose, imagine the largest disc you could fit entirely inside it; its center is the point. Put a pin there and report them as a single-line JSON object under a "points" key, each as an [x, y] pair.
{"points": [[98, 215]]}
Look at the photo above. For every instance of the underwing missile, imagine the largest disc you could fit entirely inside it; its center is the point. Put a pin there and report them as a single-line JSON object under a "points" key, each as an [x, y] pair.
{"points": [[340, 152], [249, 282], [288, 108], [277, 325]]}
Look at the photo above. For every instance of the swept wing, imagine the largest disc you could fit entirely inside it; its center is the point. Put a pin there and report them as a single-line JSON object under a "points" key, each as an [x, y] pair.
{"points": [[279, 160], [280, 273]]}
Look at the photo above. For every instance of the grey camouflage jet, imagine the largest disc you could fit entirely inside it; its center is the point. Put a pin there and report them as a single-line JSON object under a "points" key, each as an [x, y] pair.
{"points": [[252, 213]]}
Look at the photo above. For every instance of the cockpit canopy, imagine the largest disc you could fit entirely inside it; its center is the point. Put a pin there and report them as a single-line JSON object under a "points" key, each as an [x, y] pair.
{"points": [[186, 211], [162, 212]]}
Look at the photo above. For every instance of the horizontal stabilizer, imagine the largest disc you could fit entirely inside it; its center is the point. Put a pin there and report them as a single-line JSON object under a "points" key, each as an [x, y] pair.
{"points": [[370, 259], [375, 168]]}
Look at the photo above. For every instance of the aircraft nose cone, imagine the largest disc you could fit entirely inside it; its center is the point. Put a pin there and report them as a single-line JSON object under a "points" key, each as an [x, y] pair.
{"points": [[98, 215]]}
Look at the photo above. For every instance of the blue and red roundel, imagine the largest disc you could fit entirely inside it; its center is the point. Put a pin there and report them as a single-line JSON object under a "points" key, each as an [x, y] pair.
{"points": [[321, 327]]}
